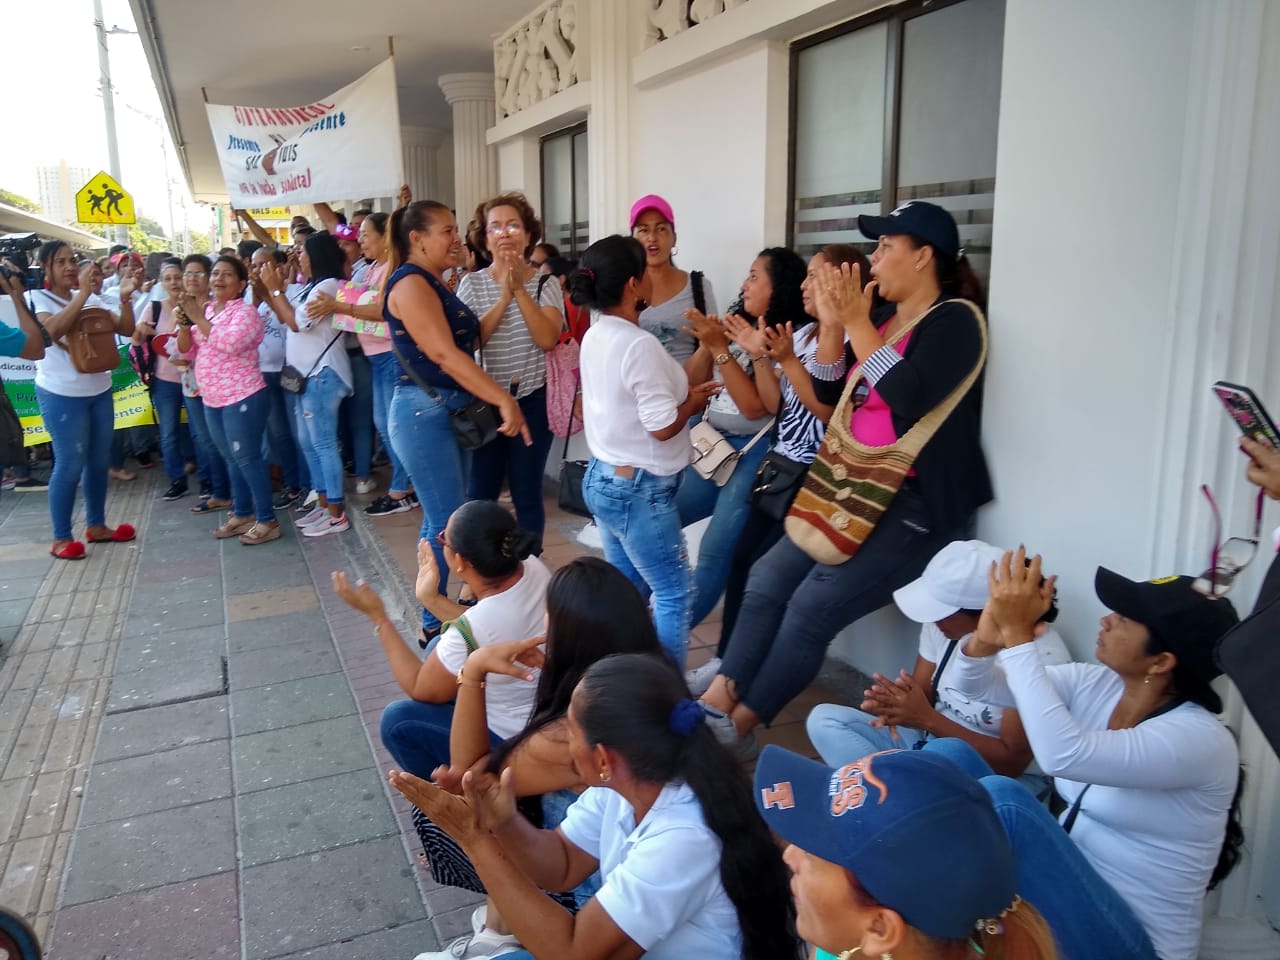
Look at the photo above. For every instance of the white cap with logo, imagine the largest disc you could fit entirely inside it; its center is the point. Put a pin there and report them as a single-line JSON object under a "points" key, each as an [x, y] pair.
{"points": [[954, 580]]}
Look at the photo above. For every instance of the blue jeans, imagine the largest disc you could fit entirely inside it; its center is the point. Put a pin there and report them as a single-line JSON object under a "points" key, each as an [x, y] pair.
{"points": [[278, 444], [318, 429], [423, 439], [728, 508], [417, 735], [386, 372], [843, 734], [212, 468], [357, 414], [1088, 918], [641, 535], [794, 607], [522, 467], [166, 400], [81, 431], [298, 430], [237, 431]]}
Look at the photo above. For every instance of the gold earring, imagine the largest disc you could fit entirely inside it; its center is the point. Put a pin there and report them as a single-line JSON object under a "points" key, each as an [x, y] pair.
{"points": [[604, 776], [1147, 678]]}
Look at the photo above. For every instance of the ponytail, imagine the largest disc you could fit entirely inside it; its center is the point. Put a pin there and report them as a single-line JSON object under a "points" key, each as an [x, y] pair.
{"points": [[1019, 933], [957, 278], [639, 706], [1232, 841]]}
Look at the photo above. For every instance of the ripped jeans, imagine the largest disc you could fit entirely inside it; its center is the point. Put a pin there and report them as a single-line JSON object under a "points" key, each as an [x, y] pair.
{"points": [[237, 430], [641, 535]]}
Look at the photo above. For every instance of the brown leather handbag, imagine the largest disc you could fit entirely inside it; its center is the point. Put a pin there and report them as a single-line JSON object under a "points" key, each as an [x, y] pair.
{"points": [[92, 341]]}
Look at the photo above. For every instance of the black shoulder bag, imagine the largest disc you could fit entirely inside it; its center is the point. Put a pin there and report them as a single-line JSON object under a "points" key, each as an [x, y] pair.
{"points": [[474, 424], [291, 378]]}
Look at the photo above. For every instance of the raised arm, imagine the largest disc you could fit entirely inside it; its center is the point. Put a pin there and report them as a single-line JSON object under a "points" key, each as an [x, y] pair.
{"points": [[59, 324], [255, 228], [33, 346], [710, 334]]}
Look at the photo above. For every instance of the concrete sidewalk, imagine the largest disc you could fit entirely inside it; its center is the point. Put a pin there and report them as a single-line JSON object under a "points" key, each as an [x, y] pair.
{"points": [[189, 730], [215, 704]]}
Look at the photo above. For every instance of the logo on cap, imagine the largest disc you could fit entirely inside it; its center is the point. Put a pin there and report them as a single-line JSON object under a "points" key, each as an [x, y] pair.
{"points": [[900, 209], [1159, 580], [846, 787], [779, 796]]}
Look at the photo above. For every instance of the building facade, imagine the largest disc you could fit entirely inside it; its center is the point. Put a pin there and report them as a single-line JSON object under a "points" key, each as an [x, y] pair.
{"points": [[58, 186]]}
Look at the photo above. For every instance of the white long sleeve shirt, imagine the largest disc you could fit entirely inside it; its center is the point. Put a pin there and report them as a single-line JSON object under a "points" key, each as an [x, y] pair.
{"points": [[1153, 820]]}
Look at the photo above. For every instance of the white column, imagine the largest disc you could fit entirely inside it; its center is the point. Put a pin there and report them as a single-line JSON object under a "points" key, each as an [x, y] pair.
{"points": [[614, 34], [475, 167], [420, 147]]}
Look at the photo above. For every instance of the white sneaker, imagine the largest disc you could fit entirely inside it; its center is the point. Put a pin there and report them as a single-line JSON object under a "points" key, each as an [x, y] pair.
{"points": [[478, 946], [366, 486], [322, 528], [699, 678], [312, 498], [315, 515], [478, 917], [744, 748]]}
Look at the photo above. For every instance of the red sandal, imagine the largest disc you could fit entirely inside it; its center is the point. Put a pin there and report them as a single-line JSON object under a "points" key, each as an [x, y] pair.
{"points": [[70, 550], [121, 534]]}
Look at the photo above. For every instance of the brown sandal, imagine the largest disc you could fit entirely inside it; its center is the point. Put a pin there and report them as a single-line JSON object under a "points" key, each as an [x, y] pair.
{"points": [[233, 527], [261, 533]]}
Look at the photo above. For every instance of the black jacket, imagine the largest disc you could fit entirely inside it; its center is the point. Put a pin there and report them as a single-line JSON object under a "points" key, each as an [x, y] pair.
{"points": [[951, 470]]}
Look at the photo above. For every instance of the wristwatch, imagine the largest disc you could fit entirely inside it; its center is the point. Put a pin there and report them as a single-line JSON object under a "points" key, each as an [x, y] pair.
{"points": [[722, 359], [275, 293]]}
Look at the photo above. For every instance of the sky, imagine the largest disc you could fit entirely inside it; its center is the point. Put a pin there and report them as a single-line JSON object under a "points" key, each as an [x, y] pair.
{"points": [[53, 66]]}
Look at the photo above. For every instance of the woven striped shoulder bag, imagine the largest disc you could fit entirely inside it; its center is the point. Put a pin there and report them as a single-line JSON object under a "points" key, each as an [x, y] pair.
{"points": [[850, 484]]}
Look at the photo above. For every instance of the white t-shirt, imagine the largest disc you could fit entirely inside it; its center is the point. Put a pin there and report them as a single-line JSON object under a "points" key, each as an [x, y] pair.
{"points": [[630, 385], [55, 372], [271, 349], [662, 876], [517, 613], [978, 715], [1153, 820], [307, 345]]}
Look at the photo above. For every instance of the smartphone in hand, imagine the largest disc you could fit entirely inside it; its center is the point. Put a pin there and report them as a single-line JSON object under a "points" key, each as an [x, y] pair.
{"points": [[1248, 413]]}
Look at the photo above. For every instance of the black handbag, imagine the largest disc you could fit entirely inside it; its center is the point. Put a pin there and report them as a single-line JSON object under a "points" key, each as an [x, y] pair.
{"points": [[11, 434], [572, 473], [294, 380], [777, 482], [474, 424]]}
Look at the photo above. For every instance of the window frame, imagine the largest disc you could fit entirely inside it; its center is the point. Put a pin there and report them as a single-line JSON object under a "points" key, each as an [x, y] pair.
{"points": [[896, 18], [571, 132]]}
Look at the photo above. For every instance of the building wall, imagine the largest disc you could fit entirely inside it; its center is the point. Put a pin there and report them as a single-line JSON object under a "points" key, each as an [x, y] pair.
{"points": [[58, 185]]}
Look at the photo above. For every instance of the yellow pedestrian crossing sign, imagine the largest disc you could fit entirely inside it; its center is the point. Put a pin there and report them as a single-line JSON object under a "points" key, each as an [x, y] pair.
{"points": [[103, 200]]}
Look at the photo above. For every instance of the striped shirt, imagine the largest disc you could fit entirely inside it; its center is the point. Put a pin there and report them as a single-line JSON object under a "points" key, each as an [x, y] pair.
{"points": [[510, 356], [799, 431]]}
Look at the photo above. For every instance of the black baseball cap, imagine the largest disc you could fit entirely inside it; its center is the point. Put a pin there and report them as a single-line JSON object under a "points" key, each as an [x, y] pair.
{"points": [[928, 221], [1188, 623]]}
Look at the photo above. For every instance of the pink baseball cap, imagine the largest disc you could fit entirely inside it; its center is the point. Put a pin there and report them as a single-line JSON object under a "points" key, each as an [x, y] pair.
{"points": [[651, 201]]}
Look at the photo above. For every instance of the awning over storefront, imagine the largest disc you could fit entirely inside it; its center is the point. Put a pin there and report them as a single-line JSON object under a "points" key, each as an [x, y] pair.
{"points": [[15, 220]]}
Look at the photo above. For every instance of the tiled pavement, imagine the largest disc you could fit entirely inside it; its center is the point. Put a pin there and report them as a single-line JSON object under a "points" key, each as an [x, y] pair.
{"points": [[215, 709]]}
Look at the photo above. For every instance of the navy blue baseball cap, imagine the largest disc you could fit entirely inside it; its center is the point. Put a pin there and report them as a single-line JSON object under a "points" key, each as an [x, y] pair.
{"points": [[928, 221], [920, 835]]}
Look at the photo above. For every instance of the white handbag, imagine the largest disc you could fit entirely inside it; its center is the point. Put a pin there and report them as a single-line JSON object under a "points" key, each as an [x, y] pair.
{"points": [[713, 456]]}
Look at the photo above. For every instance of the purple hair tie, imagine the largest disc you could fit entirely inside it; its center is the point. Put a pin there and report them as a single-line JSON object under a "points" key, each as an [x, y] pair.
{"points": [[686, 717], [587, 272]]}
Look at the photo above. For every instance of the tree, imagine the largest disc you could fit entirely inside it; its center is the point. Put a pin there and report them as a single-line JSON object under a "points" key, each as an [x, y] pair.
{"points": [[140, 242], [151, 227], [19, 201]]}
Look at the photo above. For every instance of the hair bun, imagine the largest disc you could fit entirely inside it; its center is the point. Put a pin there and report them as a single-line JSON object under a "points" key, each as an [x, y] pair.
{"points": [[582, 286]]}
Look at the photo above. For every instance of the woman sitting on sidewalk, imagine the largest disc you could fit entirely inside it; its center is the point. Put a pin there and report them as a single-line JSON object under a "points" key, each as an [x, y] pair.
{"points": [[593, 611], [1150, 773], [923, 705], [484, 547], [688, 867], [897, 854]]}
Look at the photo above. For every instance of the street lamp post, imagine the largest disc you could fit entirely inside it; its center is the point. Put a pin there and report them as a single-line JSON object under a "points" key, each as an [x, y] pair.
{"points": [[108, 105]]}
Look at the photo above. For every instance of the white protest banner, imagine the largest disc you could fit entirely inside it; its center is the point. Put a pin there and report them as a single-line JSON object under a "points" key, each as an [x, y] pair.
{"points": [[347, 145]]}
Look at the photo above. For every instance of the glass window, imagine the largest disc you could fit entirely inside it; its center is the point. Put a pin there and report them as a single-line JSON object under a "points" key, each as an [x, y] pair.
{"points": [[564, 190], [903, 104]]}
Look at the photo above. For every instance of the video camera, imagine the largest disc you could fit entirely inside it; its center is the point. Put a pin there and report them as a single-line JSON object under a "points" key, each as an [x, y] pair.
{"points": [[14, 247]]}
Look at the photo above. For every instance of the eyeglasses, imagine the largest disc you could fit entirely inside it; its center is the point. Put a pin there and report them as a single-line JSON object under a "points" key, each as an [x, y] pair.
{"points": [[442, 541], [1229, 557], [499, 229]]}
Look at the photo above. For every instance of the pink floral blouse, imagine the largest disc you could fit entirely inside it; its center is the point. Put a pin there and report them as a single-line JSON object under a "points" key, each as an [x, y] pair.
{"points": [[227, 359]]}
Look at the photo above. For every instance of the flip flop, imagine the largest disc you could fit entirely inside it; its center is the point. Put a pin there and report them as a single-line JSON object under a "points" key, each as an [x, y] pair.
{"points": [[71, 550], [121, 534], [210, 505]]}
